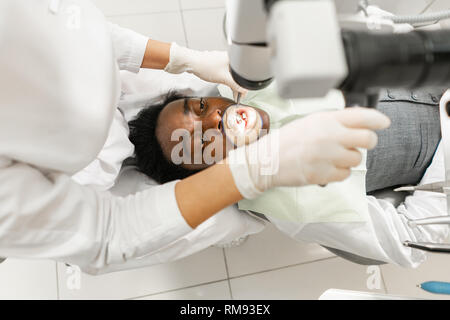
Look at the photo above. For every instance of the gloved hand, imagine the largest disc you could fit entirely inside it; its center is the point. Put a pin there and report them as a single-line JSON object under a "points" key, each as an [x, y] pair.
{"points": [[211, 66], [317, 149]]}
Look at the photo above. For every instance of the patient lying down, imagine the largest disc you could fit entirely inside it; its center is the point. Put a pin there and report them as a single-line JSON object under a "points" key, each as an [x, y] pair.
{"points": [[151, 133], [160, 155]]}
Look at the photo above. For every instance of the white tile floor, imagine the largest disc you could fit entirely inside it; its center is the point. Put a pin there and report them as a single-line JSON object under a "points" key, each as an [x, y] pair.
{"points": [[267, 266]]}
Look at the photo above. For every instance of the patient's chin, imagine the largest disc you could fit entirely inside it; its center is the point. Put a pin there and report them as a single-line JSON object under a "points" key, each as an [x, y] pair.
{"points": [[195, 166], [211, 158]]}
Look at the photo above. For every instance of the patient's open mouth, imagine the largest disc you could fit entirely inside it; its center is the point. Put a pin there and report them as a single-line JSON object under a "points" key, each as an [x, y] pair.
{"points": [[242, 118], [241, 122]]}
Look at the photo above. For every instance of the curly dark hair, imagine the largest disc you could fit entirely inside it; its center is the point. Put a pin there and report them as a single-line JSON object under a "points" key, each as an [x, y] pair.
{"points": [[149, 157]]}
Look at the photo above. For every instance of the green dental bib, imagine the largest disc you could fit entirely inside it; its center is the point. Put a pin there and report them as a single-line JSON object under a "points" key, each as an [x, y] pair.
{"points": [[337, 202]]}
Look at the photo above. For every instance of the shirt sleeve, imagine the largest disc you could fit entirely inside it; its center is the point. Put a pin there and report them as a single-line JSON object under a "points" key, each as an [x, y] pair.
{"points": [[129, 48], [48, 216]]}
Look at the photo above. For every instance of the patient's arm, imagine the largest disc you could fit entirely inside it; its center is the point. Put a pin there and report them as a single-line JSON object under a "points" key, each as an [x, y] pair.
{"points": [[194, 194]]}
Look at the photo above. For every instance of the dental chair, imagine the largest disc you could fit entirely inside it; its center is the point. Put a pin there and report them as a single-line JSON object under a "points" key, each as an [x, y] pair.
{"points": [[420, 109], [388, 194], [396, 198]]}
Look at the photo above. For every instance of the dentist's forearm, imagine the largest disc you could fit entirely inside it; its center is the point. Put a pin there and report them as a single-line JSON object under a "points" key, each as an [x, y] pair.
{"points": [[204, 194], [157, 55]]}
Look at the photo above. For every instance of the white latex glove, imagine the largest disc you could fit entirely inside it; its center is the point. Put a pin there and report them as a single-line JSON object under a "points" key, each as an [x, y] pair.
{"points": [[317, 149], [211, 66]]}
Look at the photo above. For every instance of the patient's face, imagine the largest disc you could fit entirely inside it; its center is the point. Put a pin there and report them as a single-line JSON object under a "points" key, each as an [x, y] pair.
{"points": [[202, 129]]}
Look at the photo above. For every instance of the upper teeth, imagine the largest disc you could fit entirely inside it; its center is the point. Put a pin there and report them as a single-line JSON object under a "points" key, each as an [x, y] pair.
{"points": [[242, 116]]}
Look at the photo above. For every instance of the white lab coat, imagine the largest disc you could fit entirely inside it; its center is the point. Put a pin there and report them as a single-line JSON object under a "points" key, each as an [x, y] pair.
{"points": [[59, 83], [102, 173], [60, 88], [105, 171]]}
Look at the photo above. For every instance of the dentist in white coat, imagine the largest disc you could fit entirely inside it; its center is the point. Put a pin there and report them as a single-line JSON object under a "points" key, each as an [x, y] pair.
{"points": [[59, 87]]}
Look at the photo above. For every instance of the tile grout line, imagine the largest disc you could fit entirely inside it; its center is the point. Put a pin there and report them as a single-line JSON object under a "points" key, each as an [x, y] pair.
{"points": [[228, 274], [229, 278], [131, 14], [428, 7], [58, 296], [283, 267], [203, 9], [178, 289], [182, 22], [115, 15], [384, 281]]}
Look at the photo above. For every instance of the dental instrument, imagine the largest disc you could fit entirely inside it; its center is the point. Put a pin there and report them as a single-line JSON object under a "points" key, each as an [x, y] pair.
{"points": [[238, 98], [428, 246], [428, 221], [436, 287], [440, 187]]}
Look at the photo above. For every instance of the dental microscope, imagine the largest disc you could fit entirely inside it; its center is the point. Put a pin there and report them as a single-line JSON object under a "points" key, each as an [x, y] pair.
{"points": [[312, 46]]}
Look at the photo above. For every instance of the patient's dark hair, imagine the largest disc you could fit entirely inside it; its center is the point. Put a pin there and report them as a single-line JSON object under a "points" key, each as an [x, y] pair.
{"points": [[149, 157]]}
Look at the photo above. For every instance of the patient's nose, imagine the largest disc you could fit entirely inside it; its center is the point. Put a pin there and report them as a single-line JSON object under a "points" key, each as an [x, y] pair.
{"points": [[213, 120]]}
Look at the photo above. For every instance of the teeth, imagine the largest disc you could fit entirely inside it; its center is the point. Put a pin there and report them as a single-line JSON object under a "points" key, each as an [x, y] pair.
{"points": [[240, 118]]}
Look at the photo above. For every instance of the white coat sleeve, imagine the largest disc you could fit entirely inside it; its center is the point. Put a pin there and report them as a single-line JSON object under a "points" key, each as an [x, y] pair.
{"points": [[381, 236], [48, 216], [129, 48], [102, 173]]}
